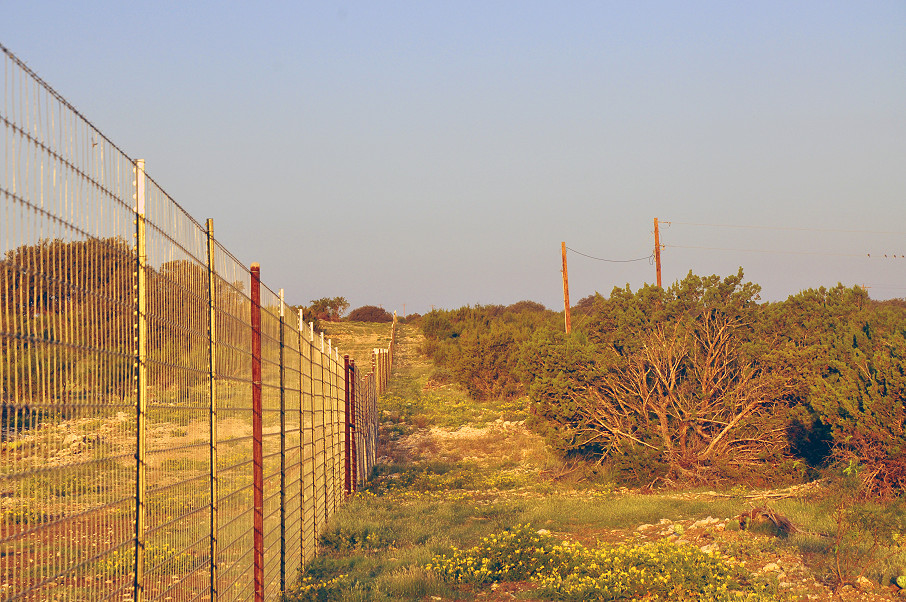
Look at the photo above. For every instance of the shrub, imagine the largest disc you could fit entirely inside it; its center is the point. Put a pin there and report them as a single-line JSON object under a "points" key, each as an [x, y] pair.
{"points": [[514, 555], [370, 313], [480, 345], [848, 358], [665, 385], [866, 535], [569, 571]]}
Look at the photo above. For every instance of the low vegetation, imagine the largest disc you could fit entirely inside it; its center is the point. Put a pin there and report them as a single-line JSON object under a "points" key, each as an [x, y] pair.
{"points": [[468, 502]]}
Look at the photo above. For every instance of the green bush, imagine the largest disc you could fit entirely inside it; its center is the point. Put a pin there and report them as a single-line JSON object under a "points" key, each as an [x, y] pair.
{"points": [[480, 345], [664, 384], [699, 382], [370, 313], [847, 360]]}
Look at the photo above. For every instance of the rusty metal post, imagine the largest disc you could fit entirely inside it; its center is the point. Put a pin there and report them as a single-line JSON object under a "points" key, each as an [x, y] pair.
{"points": [[257, 438]]}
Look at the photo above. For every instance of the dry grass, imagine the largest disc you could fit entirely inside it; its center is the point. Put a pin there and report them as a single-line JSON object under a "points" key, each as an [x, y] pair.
{"points": [[357, 339]]}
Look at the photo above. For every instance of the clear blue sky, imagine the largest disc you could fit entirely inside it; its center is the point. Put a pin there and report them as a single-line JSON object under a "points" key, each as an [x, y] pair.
{"points": [[437, 153]]}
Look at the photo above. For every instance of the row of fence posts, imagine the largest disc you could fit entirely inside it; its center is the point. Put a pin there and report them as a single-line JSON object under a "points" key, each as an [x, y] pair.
{"points": [[360, 410], [360, 446]]}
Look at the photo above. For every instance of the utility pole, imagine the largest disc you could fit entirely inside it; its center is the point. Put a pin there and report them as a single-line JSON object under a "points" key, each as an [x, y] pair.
{"points": [[569, 325], [657, 252]]}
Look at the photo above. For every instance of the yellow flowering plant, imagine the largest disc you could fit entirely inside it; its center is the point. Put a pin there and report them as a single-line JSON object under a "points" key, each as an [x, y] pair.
{"points": [[569, 571]]}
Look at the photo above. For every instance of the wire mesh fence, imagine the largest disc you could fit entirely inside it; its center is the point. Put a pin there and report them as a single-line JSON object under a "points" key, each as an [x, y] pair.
{"points": [[170, 431]]}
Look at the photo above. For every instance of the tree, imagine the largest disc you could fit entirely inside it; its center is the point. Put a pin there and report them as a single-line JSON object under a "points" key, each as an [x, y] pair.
{"points": [[69, 306], [667, 384], [692, 397], [329, 308]]}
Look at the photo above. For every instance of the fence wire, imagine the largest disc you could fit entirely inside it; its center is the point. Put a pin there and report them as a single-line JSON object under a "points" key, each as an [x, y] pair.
{"points": [[170, 430]]}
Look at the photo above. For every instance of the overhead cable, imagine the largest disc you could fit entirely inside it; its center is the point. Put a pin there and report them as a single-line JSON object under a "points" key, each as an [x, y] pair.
{"points": [[789, 228], [868, 255], [610, 260]]}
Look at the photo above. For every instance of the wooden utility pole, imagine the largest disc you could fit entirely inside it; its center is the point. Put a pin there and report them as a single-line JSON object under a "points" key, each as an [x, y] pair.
{"points": [[657, 252], [569, 325]]}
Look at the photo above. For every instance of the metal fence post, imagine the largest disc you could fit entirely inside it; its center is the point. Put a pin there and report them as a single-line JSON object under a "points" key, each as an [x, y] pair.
{"points": [[329, 417], [282, 446], [347, 444], [257, 436], [212, 391], [338, 428], [141, 378], [353, 460], [323, 435], [302, 512]]}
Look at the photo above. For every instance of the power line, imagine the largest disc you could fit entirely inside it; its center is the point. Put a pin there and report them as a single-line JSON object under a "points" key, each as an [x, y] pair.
{"points": [[888, 287], [610, 260], [868, 255], [788, 228]]}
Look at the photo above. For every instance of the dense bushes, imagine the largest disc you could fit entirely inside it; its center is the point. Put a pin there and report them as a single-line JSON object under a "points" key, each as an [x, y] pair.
{"points": [[370, 313], [480, 345], [850, 355], [699, 381]]}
